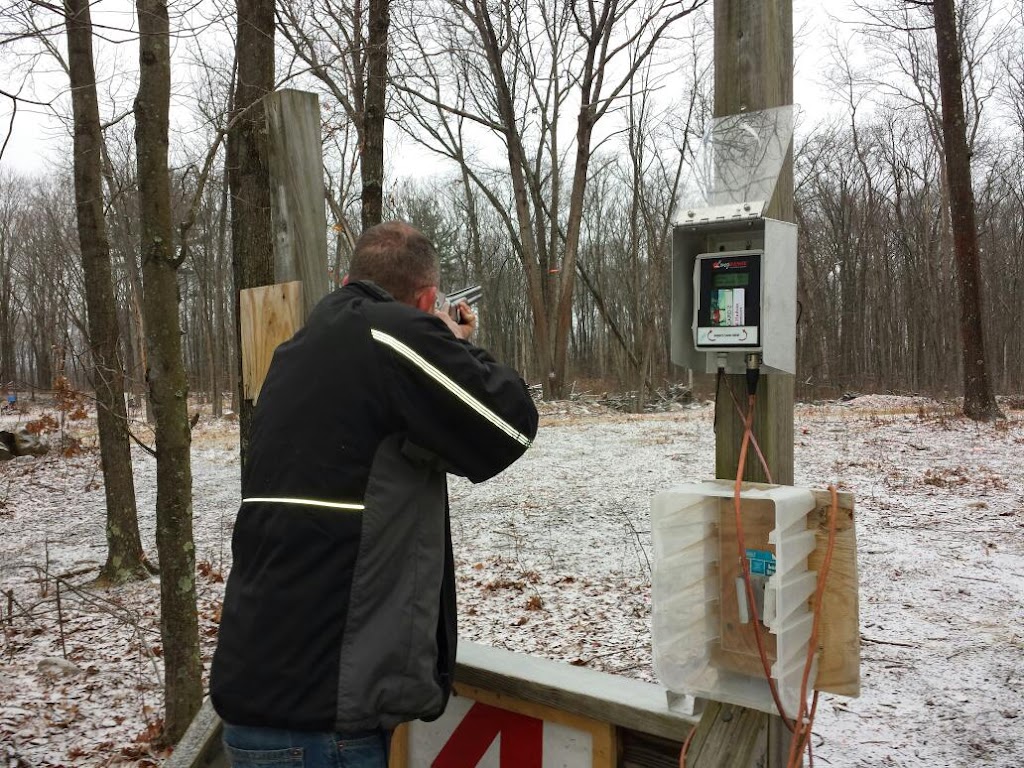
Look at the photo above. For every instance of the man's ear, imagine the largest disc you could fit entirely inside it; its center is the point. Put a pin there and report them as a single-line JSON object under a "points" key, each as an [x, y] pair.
{"points": [[426, 299], [344, 280]]}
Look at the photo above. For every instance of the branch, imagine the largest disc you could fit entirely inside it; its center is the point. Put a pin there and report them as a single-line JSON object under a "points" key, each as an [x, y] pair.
{"points": [[115, 120], [10, 129], [497, 127], [204, 174], [16, 98], [142, 445]]}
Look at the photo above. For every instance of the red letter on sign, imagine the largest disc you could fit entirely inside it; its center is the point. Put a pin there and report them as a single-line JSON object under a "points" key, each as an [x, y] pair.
{"points": [[522, 739]]}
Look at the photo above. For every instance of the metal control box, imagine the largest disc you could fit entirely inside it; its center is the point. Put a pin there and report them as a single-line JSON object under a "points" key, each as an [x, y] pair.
{"points": [[733, 270], [733, 290]]}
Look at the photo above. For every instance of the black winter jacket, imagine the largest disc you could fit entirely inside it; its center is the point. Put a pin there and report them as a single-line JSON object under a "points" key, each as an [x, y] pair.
{"points": [[339, 612]]}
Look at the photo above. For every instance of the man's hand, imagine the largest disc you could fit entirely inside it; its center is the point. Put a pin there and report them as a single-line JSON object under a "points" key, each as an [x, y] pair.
{"points": [[465, 329]]}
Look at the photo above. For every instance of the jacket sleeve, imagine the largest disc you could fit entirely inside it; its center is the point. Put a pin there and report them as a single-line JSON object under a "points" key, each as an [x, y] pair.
{"points": [[456, 401]]}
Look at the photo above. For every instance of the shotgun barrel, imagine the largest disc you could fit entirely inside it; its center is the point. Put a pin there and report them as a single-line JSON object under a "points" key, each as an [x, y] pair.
{"points": [[470, 295]]}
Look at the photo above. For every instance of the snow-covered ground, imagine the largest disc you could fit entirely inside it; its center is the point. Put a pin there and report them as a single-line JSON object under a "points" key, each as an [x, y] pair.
{"points": [[553, 560]]}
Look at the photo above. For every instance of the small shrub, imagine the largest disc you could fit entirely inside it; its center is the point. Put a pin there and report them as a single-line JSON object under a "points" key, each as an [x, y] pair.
{"points": [[45, 423]]}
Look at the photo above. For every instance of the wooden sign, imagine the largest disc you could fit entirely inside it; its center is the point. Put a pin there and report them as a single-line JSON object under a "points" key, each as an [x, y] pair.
{"points": [[481, 729], [269, 316]]}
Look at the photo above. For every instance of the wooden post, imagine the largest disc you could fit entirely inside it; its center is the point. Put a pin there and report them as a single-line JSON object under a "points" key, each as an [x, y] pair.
{"points": [[267, 314], [754, 71], [297, 192]]}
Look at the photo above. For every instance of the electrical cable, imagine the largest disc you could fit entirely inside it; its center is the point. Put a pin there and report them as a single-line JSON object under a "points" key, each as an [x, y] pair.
{"points": [[753, 437], [686, 747], [745, 565], [801, 725], [805, 719]]}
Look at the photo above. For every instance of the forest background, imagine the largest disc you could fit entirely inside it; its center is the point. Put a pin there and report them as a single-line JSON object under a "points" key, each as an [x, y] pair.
{"points": [[876, 272]]}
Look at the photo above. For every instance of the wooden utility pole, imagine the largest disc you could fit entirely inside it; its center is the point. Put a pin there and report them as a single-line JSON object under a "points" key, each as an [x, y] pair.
{"points": [[273, 308], [297, 206], [754, 71]]}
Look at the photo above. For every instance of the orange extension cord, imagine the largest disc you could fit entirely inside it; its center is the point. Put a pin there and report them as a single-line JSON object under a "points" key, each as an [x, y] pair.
{"points": [[802, 725]]}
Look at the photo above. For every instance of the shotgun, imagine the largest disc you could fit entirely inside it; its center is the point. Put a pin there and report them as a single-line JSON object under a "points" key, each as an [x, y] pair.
{"points": [[450, 303]]}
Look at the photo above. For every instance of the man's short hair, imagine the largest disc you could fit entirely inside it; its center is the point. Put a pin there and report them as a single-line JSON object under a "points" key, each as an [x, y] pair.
{"points": [[397, 257]]}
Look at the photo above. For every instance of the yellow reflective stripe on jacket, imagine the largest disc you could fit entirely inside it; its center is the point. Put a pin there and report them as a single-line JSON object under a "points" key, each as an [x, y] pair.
{"points": [[448, 383], [306, 502]]}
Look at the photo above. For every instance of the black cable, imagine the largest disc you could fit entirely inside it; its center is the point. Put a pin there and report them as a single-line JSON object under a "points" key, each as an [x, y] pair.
{"points": [[753, 374], [718, 389]]}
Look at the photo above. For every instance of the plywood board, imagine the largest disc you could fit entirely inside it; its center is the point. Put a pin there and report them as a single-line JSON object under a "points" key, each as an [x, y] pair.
{"points": [[270, 315], [738, 650], [839, 631], [398, 757], [603, 744], [413, 744], [839, 635]]}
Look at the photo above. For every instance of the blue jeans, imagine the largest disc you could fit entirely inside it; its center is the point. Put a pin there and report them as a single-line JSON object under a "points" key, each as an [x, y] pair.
{"points": [[248, 747]]}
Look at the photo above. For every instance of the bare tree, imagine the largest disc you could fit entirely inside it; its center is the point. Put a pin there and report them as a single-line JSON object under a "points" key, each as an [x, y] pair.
{"points": [[252, 244], [125, 559], [344, 45], [168, 385], [10, 300], [372, 164], [979, 398], [513, 69]]}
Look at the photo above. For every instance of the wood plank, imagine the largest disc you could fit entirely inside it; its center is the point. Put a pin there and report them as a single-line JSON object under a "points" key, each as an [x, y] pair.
{"points": [[602, 734], [399, 755], [620, 701], [773, 427], [269, 315], [201, 746], [754, 70], [839, 635], [728, 736]]}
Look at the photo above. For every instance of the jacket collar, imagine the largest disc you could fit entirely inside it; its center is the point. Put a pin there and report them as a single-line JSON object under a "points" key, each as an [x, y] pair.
{"points": [[371, 289]]}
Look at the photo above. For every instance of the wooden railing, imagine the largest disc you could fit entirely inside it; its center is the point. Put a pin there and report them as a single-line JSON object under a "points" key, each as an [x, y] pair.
{"points": [[644, 731]]}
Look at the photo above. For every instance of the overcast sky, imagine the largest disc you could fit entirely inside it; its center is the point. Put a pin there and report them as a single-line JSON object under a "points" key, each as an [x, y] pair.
{"points": [[38, 136]]}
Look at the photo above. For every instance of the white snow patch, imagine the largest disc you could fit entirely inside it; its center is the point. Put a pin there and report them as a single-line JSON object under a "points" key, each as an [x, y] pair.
{"points": [[553, 560]]}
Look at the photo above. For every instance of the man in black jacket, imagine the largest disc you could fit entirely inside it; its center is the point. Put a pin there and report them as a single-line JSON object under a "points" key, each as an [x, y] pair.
{"points": [[339, 614]]}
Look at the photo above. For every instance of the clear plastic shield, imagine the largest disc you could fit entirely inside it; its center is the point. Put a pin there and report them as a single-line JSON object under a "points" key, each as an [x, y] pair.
{"points": [[738, 162]]}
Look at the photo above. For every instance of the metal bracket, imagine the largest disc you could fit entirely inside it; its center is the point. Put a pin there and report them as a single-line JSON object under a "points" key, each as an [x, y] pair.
{"points": [[750, 209]]}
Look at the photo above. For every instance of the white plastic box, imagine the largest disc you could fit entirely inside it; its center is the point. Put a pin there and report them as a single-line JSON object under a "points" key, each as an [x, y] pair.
{"points": [[701, 645]]}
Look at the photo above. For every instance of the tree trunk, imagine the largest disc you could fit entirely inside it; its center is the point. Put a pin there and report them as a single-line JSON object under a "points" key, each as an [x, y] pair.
{"points": [[125, 559], [122, 235], [218, 306], [528, 239], [8, 311], [979, 399], [563, 310], [252, 242], [372, 161], [168, 386]]}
